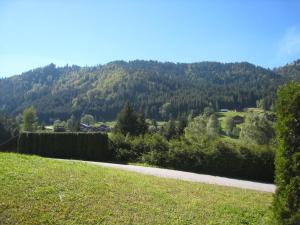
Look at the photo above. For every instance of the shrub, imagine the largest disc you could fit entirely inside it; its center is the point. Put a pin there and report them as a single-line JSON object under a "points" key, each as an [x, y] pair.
{"points": [[223, 159], [157, 150], [218, 158], [287, 196]]}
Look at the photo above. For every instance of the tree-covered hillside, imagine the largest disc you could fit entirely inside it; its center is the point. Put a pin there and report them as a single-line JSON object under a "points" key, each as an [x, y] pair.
{"points": [[163, 90], [290, 71]]}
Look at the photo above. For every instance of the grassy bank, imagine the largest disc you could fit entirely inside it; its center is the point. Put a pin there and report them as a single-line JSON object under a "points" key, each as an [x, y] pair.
{"points": [[36, 190]]}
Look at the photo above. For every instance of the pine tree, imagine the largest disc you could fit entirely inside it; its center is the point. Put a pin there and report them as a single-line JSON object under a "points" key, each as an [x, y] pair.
{"points": [[142, 124], [127, 121]]}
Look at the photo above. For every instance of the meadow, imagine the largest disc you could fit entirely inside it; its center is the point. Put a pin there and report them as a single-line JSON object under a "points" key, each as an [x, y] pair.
{"points": [[37, 190]]}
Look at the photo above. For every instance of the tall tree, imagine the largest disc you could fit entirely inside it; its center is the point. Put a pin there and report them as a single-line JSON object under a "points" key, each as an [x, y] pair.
{"points": [[87, 119], [127, 121], [73, 124], [213, 126], [142, 124], [170, 130], [287, 196], [196, 131], [257, 128], [182, 123], [30, 119]]}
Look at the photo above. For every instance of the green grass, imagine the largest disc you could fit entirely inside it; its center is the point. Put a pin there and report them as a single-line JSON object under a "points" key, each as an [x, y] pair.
{"points": [[223, 115], [36, 190]]}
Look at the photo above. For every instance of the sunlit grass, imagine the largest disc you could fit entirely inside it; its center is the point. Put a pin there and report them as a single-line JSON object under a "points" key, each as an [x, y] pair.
{"points": [[36, 190]]}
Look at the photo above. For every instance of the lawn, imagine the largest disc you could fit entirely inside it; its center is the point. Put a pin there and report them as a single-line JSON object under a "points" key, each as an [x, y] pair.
{"points": [[36, 190]]}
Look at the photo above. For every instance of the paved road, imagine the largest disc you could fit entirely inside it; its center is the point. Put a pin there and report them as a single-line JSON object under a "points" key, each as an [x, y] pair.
{"points": [[194, 177]]}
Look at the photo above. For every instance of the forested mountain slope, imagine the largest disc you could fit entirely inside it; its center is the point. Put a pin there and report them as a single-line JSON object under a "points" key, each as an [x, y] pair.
{"points": [[290, 71], [163, 90]]}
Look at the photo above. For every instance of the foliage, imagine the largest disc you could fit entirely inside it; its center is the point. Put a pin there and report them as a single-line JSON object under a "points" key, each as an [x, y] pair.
{"points": [[182, 123], [165, 110], [87, 119], [121, 148], [57, 124], [216, 157], [166, 90], [290, 71], [157, 150], [257, 128], [229, 125], [287, 197], [169, 130], [213, 126], [202, 129], [261, 103], [73, 124], [127, 121], [223, 159], [30, 119], [208, 111], [142, 127]]}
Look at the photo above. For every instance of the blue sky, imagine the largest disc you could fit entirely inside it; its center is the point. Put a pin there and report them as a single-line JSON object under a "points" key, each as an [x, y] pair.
{"points": [[36, 33]]}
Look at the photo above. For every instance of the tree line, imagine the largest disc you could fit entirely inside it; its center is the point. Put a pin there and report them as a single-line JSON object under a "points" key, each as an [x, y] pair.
{"points": [[163, 90]]}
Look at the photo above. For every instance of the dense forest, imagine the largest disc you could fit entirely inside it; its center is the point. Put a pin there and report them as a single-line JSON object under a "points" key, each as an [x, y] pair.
{"points": [[162, 90]]}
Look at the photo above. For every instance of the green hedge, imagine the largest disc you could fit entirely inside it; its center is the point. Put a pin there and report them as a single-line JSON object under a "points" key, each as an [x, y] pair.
{"points": [[85, 146], [223, 159], [10, 145], [250, 162]]}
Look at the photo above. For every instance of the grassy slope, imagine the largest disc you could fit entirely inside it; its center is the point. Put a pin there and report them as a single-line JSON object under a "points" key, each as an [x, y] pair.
{"points": [[223, 115], [35, 190]]}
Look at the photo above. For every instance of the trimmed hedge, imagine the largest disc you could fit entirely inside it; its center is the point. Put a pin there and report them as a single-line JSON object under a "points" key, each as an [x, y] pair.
{"points": [[10, 145], [219, 158], [85, 146], [223, 159]]}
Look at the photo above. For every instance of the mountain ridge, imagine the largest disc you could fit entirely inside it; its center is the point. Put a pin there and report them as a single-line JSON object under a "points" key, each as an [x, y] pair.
{"points": [[58, 92]]}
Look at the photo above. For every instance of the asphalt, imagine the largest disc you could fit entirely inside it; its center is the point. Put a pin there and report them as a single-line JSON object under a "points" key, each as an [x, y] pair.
{"points": [[187, 176]]}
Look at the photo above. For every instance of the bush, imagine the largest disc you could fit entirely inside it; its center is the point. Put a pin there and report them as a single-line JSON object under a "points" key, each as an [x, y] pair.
{"points": [[287, 196], [157, 147], [186, 157], [86, 146], [223, 159], [218, 158]]}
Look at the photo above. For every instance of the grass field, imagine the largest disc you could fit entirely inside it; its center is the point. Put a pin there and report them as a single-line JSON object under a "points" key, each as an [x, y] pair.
{"points": [[36, 190], [223, 115]]}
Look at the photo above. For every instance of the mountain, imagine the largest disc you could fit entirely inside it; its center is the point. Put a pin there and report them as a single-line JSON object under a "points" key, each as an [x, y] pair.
{"points": [[290, 71], [163, 90]]}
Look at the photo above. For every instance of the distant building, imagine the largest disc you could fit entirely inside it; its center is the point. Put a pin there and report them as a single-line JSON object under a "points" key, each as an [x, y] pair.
{"points": [[238, 119], [102, 128], [87, 128], [84, 127], [59, 129], [224, 110]]}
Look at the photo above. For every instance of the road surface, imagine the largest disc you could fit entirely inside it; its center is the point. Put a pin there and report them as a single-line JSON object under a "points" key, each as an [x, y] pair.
{"points": [[187, 176]]}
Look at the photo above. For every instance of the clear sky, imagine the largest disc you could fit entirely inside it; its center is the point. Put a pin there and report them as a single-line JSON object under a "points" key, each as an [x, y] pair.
{"points": [[86, 32]]}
